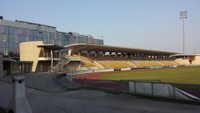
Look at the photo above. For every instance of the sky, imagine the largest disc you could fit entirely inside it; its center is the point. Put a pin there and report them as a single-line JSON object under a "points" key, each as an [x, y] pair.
{"points": [[144, 24]]}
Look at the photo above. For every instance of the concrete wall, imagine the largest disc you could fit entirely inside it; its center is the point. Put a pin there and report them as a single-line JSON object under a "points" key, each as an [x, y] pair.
{"points": [[43, 66], [30, 52], [1, 66]]}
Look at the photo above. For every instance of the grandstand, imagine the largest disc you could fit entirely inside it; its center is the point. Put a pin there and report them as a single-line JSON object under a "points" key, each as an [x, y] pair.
{"points": [[94, 57]]}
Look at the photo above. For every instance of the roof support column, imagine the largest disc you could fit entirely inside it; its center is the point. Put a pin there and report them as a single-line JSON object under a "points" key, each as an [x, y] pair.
{"points": [[70, 52], [51, 58], [95, 54], [103, 54], [88, 53], [79, 53]]}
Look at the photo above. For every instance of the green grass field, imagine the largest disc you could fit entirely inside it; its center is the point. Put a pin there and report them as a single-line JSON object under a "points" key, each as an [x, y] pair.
{"points": [[186, 75]]}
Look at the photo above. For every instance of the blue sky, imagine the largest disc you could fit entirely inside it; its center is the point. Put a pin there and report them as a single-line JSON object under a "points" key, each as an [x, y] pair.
{"points": [[146, 24]]}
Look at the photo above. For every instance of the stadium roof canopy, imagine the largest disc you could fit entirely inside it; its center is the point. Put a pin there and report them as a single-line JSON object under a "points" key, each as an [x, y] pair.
{"points": [[184, 55], [106, 48]]}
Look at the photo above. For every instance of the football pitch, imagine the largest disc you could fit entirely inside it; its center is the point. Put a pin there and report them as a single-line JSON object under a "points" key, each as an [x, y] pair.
{"points": [[185, 75]]}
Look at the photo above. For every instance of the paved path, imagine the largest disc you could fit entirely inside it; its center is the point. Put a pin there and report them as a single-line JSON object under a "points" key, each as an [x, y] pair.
{"points": [[88, 101]]}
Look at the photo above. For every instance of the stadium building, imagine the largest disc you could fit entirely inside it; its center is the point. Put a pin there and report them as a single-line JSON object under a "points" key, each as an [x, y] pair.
{"points": [[12, 33], [31, 47], [75, 57]]}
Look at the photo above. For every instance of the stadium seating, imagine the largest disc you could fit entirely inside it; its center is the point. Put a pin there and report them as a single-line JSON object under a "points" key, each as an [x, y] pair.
{"points": [[117, 62]]}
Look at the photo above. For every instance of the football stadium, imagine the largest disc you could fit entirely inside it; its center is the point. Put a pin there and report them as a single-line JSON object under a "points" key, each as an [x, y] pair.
{"points": [[79, 59], [52, 60]]}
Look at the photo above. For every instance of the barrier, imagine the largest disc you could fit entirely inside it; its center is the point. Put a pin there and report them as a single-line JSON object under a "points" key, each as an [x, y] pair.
{"points": [[74, 73], [66, 81], [19, 102], [125, 69], [156, 89]]}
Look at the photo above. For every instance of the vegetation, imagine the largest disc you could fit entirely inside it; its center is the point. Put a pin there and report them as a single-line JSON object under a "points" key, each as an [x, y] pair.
{"points": [[186, 75]]}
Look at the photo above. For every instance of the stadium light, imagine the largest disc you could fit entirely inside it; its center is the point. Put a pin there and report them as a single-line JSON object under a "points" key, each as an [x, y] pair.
{"points": [[183, 16]]}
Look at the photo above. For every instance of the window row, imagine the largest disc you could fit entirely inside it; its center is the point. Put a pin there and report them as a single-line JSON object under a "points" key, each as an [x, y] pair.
{"points": [[9, 52], [26, 32]]}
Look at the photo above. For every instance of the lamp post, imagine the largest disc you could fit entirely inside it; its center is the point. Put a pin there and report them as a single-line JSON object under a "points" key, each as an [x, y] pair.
{"points": [[183, 16]]}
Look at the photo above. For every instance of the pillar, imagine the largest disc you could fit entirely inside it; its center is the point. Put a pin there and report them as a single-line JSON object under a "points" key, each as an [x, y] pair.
{"points": [[51, 58], [70, 52]]}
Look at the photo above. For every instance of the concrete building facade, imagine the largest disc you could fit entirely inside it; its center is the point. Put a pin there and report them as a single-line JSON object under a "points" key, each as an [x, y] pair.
{"points": [[41, 57], [12, 33]]}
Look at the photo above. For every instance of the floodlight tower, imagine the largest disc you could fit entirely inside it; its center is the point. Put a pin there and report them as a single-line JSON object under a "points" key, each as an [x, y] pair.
{"points": [[183, 16]]}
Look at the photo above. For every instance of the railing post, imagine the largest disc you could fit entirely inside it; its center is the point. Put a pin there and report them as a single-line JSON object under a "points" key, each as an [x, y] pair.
{"points": [[152, 89], [135, 87], [174, 93]]}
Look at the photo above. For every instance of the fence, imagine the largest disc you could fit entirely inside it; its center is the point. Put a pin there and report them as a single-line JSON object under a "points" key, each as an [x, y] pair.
{"points": [[155, 89], [66, 81], [88, 71], [148, 88]]}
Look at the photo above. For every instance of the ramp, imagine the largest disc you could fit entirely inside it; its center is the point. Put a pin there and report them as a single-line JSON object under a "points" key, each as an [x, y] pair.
{"points": [[41, 81]]}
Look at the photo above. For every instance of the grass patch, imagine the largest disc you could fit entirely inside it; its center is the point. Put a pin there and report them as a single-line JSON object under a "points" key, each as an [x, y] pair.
{"points": [[185, 75]]}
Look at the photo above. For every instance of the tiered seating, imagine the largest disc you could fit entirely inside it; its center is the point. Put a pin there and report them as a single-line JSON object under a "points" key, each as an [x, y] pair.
{"points": [[168, 63], [112, 61], [86, 62], [142, 63], [118, 62], [152, 63]]}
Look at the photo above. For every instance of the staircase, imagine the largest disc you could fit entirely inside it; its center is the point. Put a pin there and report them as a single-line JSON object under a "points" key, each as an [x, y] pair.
{"points": [[60, 66]]}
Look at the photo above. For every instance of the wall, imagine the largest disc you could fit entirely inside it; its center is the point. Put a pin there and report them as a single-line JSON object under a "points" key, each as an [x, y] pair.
{"points": [[43, 66], [30, 52]]}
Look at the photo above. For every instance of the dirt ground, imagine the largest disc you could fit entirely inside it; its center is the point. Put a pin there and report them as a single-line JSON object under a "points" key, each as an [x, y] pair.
{"points": [[90, 101]]}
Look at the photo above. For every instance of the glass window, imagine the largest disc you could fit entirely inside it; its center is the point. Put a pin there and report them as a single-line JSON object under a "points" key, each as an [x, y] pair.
{"points": [[2, 29]]}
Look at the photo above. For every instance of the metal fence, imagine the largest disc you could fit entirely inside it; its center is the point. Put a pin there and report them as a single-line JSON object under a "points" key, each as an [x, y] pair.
{"points": [[164, 90], [153, 89]]}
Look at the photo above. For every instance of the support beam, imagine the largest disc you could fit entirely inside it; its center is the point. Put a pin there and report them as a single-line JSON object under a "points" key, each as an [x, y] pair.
{"points": [[51, 58], [70, 52]]}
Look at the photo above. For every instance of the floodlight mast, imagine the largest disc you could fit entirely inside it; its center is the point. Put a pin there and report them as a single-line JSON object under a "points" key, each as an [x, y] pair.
{"points": [[183, 16]]}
